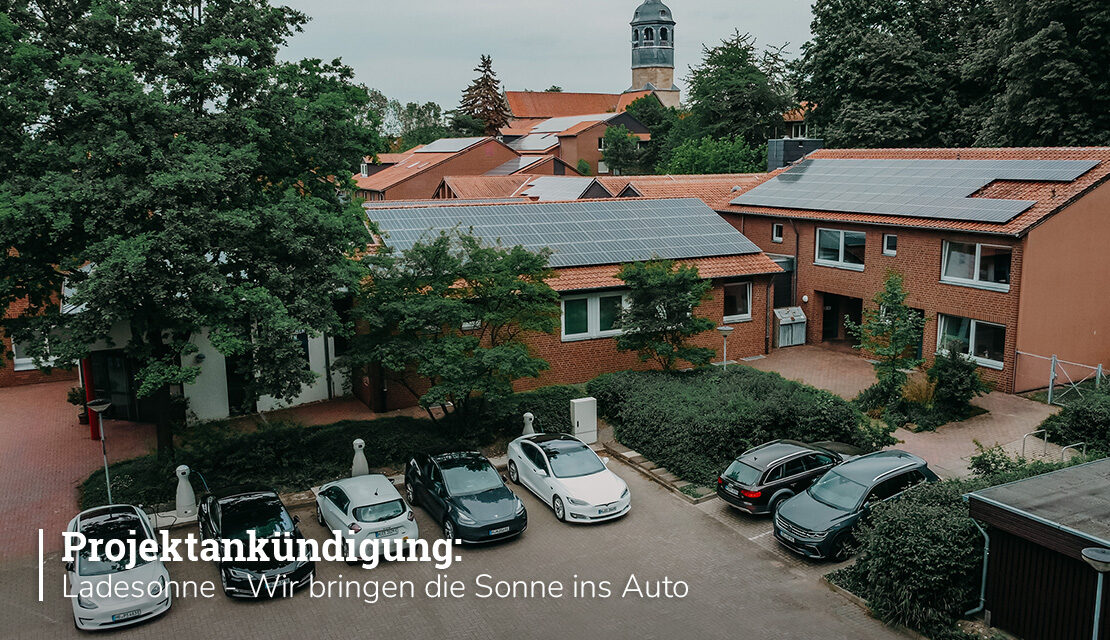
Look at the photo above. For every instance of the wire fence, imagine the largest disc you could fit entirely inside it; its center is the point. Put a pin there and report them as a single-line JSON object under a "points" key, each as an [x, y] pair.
{"points": [[1057, 381]]}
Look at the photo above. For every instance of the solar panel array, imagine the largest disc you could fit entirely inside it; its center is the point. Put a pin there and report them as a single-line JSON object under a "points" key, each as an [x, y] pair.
{"points": [[514, 165], [448, 145], [938, 189], [579, 233], [430, 202], [548, 188], [534, 142]]}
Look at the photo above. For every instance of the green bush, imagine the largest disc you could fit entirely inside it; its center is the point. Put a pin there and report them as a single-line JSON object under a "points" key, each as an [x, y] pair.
{"points": [[1087, 419], [695, 423], [549, 405], [957, 382], [281, 457], [993, 461]]}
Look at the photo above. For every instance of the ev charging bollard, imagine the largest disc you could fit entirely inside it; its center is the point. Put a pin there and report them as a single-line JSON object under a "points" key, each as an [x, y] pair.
{"points": [[360, 467], [186, 498], [528, 428]]}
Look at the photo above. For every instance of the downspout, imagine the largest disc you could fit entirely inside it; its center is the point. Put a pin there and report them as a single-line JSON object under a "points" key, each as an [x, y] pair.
{"points": [[794, 276], [983, 581], [327, 366], [767, 319]]}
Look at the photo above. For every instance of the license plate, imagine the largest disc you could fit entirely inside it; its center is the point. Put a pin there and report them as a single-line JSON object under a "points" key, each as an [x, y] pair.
{"points": [[733, 490], [126, 615], [494, 532], [603, 510], [385, 532], [786, 536]]}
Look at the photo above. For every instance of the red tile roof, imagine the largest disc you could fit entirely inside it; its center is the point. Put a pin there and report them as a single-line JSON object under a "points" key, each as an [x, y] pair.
{"points": [[1050, 197], [604, 276], [408, 164], [799, 114], [715, 190], [479, 187], [544, 104], [630, 97]]}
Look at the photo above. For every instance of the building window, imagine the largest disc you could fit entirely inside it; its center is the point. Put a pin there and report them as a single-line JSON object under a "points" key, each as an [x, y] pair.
{"points": [[365, 170], [635, 36], [601, 143], [592, 316], [649, 36], [890, 244], [976, 265], [738, 302], [984, 342], [776, 232], [841, 249], [302, 339], [663, 35], [21, 361], [602, 167]]}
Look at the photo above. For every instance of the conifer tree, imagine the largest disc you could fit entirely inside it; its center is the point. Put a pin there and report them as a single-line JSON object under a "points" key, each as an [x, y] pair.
{"points": [[483, 99]]}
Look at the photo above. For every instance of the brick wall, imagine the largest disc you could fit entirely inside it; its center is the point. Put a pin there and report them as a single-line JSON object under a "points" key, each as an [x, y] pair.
{"points": [[475, 162], [583, 360], [918, 259], [9, 377]]}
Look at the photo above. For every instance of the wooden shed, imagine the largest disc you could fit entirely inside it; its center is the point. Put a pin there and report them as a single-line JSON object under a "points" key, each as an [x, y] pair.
{"points": [[1038, 586]]}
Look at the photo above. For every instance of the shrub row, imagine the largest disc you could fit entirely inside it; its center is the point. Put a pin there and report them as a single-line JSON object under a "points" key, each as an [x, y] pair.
{"points": [[695, 423], [1086, 419], [290, 457]]}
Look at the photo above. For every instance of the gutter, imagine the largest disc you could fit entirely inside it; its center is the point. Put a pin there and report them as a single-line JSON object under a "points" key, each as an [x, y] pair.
{"points": [[1048, 523], [983, 580]]}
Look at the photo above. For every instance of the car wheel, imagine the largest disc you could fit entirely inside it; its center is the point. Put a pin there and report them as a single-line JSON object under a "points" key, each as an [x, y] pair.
{"points": [[320, 516], [514, 474], [560, 510], [776, 505], [843, 548], [448, 530]]}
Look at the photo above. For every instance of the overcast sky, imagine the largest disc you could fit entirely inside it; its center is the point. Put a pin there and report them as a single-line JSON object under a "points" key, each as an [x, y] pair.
{"points": [[419, 50]]}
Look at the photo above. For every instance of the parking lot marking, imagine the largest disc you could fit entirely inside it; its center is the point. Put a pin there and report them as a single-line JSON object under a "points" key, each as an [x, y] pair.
{"points": [[765, 533], [41, 562]]}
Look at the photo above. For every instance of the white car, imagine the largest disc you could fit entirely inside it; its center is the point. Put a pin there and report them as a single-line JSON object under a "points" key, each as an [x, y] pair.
{"points": [[365, 507], [105, 609], [569, 477]]}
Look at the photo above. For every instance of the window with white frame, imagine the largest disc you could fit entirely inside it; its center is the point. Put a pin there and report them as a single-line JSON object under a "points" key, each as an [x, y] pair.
{"points": [[984, 342], [601, 143], [602, 167], [738, 302], [776, 232], [890, 244], [841, 249], [22, 360], [976, 265], [595, 315]]}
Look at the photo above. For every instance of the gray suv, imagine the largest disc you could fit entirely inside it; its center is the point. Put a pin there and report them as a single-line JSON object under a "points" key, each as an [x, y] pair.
{"points": [[818, 522]]}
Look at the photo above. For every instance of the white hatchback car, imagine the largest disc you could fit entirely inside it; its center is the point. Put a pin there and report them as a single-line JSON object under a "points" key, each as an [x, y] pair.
{"points": [[366, 507], [569, 477], [97, 611]]}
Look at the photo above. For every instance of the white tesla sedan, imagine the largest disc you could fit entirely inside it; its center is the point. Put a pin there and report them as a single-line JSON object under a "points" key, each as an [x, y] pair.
{"points": [[365, 507], [569, 477], [97, 601]]}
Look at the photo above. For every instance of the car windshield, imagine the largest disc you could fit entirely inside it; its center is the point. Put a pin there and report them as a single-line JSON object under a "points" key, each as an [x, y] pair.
{"points": [[263, 514], [571, 459], [123, 527], [380, 512], [742, 473], [837, 491], [470, 476]]}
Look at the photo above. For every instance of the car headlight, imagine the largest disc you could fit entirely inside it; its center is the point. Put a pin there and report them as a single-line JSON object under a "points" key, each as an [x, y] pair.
{"points": [[624, 494], [85, 603], [465, 519], [519, 507], [240, 574], [578, 503]]}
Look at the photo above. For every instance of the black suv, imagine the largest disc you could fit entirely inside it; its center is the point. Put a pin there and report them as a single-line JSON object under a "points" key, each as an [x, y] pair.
{"points": [[763, 478], [818, 523], [465, 495]]}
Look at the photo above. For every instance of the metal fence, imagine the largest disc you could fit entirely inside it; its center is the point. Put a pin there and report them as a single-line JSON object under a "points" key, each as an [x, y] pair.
{"points": [[1061, 381]]}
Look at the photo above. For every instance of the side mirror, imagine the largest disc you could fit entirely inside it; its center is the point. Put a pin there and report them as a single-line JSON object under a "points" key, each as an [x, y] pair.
{"points": [[296, 519], [69, 566], [439, 489], [541, 473], [605, 461]]}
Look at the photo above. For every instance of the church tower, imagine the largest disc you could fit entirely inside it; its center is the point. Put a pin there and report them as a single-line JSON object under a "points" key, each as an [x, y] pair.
{"points": [[653, 52]]}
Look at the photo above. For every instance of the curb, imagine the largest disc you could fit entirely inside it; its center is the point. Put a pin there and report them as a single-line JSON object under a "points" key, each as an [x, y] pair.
{"points": [[652, 472], [862, 604]]}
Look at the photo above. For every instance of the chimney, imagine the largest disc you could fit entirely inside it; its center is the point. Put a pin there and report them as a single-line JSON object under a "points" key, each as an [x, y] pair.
{"points": [[784, 152]]}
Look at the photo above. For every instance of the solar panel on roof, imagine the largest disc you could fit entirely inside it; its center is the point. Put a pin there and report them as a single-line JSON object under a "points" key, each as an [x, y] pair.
{"points": [[557, 188], [448, 145], [632, 230], [937, 189], [514, 165]]}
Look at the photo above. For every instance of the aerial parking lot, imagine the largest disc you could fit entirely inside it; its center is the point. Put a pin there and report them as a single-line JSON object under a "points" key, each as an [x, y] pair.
{"points": [[700, 572]]}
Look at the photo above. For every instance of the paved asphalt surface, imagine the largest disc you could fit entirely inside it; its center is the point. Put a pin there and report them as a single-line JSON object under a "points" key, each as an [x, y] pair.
{"points": [[740, 585]]}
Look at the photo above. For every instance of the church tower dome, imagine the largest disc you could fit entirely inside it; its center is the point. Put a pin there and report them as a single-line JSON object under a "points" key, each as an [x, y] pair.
{"points": [[653, 51]]}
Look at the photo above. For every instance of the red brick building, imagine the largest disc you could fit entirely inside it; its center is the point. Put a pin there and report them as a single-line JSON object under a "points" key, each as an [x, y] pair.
{"points": [[586, 264], [572, 138], [16, 368], [999, 247], [417, 173]]}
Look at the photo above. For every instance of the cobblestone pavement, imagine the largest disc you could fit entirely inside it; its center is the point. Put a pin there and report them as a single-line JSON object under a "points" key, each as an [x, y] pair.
{"points": [[45, 455], [845, 374], [738, 588]]}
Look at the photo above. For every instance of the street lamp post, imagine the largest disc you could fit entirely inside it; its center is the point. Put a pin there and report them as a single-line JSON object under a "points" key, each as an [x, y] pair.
{"points": [[725, 331], [1099, 559], [99, 407]]}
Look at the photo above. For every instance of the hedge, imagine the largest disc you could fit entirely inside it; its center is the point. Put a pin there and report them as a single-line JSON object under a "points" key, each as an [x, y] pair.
{"points": [[695, 423], [290, 457], [1086, 419]]}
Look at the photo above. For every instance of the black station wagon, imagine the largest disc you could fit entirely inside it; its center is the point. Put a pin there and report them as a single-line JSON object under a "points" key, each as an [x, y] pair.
{"points": [[762, 478]]}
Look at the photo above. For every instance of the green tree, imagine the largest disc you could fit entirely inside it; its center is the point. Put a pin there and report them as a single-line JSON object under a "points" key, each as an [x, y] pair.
{"points": [[890, 333], [164, 165], [660, 318], [738, 91], [484, 100], [622, 151], [554, 89], [707, 155], [660, 121], [583, 167], [452, 311]]}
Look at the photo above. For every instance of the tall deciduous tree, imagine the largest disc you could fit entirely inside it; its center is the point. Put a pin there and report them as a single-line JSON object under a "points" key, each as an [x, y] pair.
{"points": [[739, 91], [726, 155], [451, 311], [161, 162], [891, 333], [483, 98], [661, 317], [622, 151]]}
